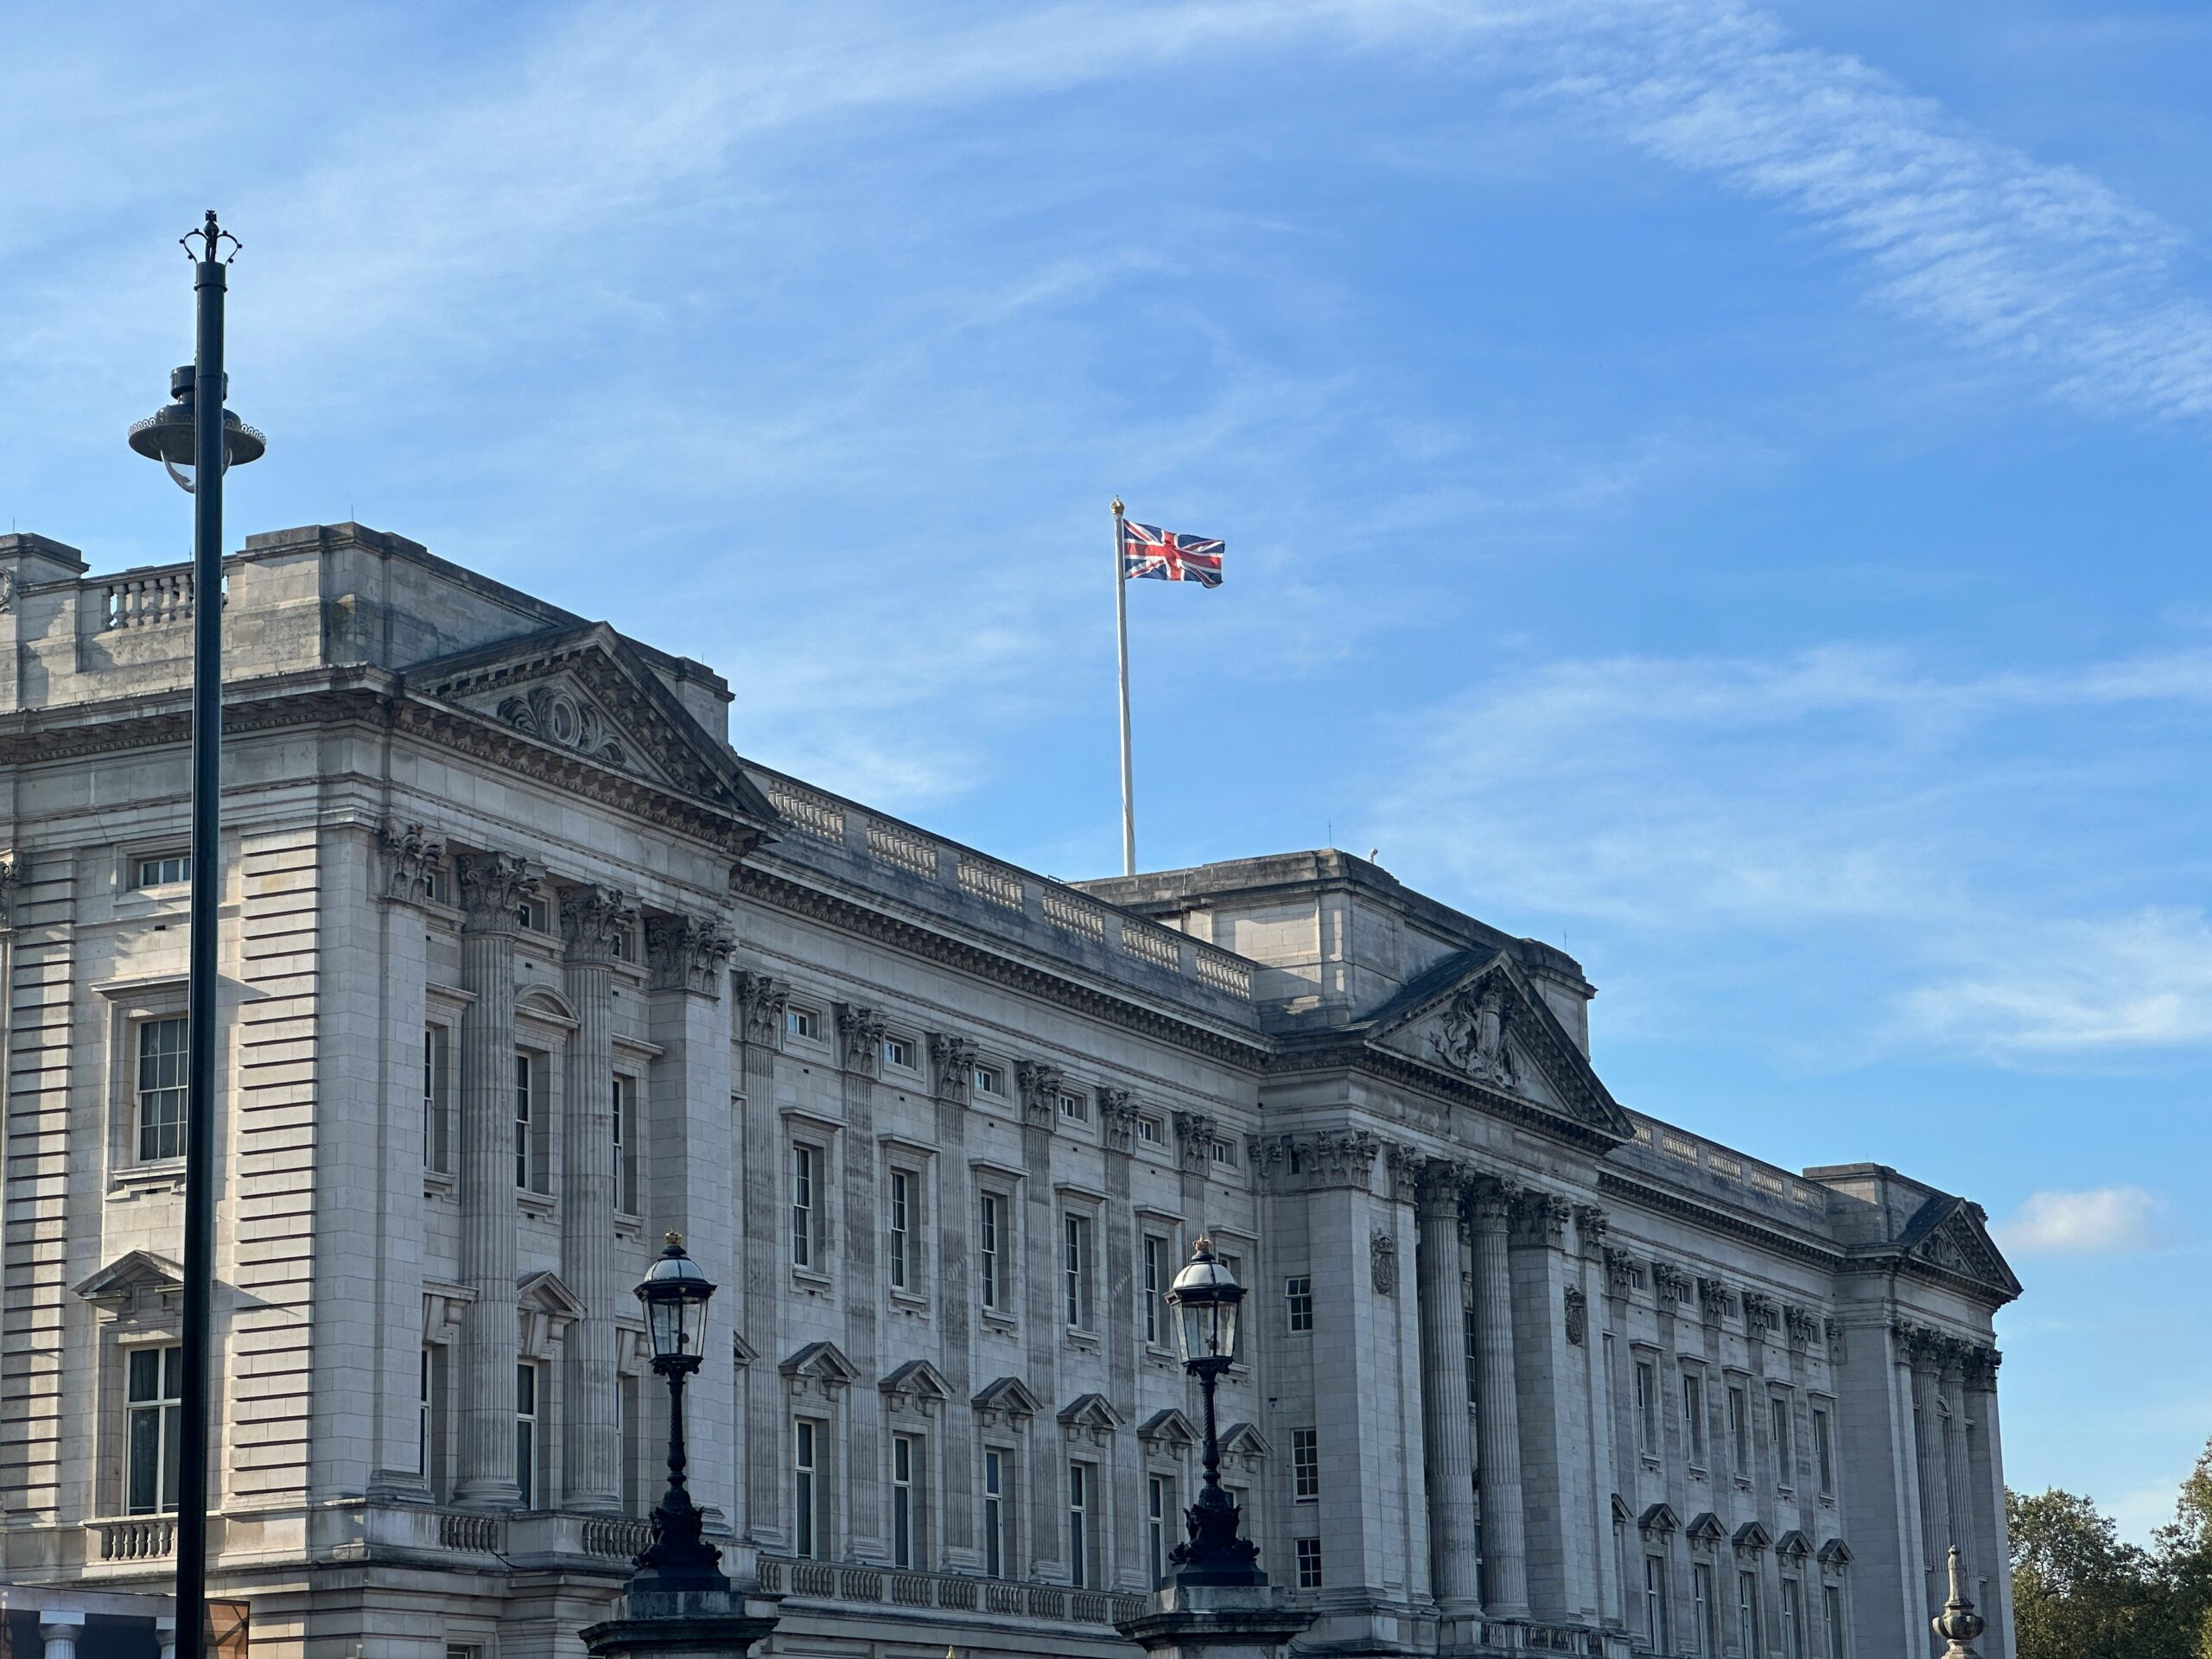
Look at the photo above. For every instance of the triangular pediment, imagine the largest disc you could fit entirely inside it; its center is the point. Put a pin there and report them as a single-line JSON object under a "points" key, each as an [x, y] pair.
{"points": [[917, 1380], [584, 692], [1659, 1517], [1167, 1431], [1835, 1552], [1475, 1019], [544, 1292], [1245, 1441], [1705, 1528], [1793, 1545], [130, 1276], [1090, 1411], [1007, 1397], [821, 1362], [1951, 1236], [1753, 1535]]}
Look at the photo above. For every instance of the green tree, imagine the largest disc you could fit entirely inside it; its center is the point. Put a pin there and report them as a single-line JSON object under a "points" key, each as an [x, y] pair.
{"points": [[2079, 1592], [2181, 1555]]}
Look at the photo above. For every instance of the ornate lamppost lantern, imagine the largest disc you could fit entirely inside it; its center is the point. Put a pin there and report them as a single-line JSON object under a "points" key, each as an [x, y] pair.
{"points": [[675, 1294], [1205, 1302]]}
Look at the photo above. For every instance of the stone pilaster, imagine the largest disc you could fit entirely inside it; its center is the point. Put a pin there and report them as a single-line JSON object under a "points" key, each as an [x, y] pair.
{"points": [[1454, 1572], [1928, 1458], [1584, 1318], [1986, 1475], [1550, 1311], [1042, 1321], [1118, 1123], [592, 918], [1506, 1554], [759, 1021], [952, 1069], [494, 886], [1958, 1515], [860, 1047]]}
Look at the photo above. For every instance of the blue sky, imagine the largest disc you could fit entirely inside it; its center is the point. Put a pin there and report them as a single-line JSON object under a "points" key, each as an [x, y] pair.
{"points": [[1717, 487]]}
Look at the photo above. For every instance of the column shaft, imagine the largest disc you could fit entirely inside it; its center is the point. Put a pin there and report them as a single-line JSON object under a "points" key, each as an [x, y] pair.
{"points": [[1454, 1565], [1505, 1556], [494, 886], [590, 917]]}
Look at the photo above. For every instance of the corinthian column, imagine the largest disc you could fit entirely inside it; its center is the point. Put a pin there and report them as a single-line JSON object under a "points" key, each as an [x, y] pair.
{"points": [[494, 886], [1950, 1382], [1498, 1417], [592, 918], [1453, 1571], [1927, 1457]]}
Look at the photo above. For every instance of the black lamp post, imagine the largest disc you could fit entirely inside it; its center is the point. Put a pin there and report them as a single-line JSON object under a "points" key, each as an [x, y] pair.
{"points": [[1205, 1300], [200, 433], [675, 1294]]}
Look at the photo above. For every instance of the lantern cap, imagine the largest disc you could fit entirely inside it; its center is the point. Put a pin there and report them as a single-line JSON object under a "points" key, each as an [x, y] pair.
{"points": [[675, 1276], [1205, 1275], [167, 434]]}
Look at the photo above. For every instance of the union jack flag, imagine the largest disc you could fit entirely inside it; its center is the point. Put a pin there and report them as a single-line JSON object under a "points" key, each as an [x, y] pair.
{"points": [[1163, 556]]}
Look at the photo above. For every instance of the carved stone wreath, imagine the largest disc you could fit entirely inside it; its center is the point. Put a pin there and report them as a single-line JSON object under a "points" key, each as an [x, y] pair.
{"points": [[560, 718], [1383, 1251]]}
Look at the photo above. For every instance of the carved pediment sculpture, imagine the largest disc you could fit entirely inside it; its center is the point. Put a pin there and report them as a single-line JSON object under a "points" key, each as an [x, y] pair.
{"points": [[1470, 1035], [561, 713]]}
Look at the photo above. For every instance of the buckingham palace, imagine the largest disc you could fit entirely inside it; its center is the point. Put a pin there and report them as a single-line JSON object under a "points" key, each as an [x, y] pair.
{"points": [[525, 966]]}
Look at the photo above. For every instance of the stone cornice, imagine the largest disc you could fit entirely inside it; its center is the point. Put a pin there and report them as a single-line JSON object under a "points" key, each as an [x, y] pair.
{"points": [[1350, 1051], [1616, 1186], [779, 893]]}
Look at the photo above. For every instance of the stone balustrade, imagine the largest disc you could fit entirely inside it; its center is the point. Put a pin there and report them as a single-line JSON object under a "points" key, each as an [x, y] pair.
{"points": [[843, 1582]]}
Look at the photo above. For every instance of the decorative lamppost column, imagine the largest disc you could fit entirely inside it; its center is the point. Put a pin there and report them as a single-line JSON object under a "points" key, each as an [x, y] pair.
{"points": [[1216, 1602], [679, 1603], [195, 430]]}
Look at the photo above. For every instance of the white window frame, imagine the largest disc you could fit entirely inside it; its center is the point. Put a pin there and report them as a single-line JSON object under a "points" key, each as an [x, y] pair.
{"points": [[993, 1216], [898, 1051], [530, 1437], [989, 1080], [1824, 1450], [1083, 1524], [1708, 1613], [1694, 1416], [801, 1023], [1782, 1429], [1747, 1613], [1740, 1429], [1148, 1130], [1079, 1271], [907, 1463], [169, 870], [998, 1507], [163, 1410], [1074, 1106], [807, 1471], [1304, 1465], [1793, 1617], [901, 1194], [165, 1135], [1298, 1302], [626, 1094], [437, 1098], [1159, 1522], [1156, 1280], [1836, 1616], [1654, 1603], [806, 1169], [1645, 1372], [533, 1073]]}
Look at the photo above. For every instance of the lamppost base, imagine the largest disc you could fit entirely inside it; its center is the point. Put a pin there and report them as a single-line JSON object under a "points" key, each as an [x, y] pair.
{"points": [[1204, 1621], [679, 1624]]}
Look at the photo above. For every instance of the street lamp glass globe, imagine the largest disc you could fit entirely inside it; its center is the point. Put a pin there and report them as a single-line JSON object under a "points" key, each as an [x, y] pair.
{"points": [[1205, 1297], [675, 1293]]}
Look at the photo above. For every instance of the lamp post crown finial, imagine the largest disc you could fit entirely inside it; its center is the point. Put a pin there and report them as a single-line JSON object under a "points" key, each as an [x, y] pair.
{"points": [[675, 1240], [211, 236]]}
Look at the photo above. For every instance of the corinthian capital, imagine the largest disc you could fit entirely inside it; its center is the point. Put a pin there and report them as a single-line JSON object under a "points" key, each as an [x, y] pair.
{"points": [[952, 1066], [413, 857], [761, 1004], [687, 953], [859, 1039], [495, 886], [594, 920]]}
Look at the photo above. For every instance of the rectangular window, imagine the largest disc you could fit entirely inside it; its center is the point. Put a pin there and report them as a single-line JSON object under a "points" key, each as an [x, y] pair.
{"points": [[1080, 1532], [1474, 1356], [1159, 1508], [437, 1146], [902, 1209], [630, 1435], [1309, 1563], [166, 871], [1076, 1270], [528, 1440], [1694, 1416], [1298, 1295], [1149, 1130], [1707, 1633], [1074, 1108], [1224, 1152], [798, 1022], [806, 1511], [1793, 1620], [156, 1391], [422, 1398], [1823, 1451], [533, 914], [990, 1245], [1654, 1602], [989, 1080], [524, 1104], [1305, 1463], [626, 1145], [805, 1176], [897, 1051], [1747, 1615], [1783, 1468], [996, 1559], [905, 1458], [1647, 1408], [1832, 1598], [1739, 1433], [162, 1066], [1155, 1286]]}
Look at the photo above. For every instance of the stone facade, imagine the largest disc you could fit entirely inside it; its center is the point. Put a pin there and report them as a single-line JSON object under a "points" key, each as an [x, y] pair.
{"points": [[525, 966]]}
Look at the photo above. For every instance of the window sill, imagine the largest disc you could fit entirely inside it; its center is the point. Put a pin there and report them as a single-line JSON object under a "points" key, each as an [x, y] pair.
{"points": [[1789, 1492], [1086, 1341], [628, 1226], [809, 1278], [534, 1204], [157, 1174], [1741, 1484], [1160, 1351], [909, 1301], [1650, 1462], [437, 1184], [1000, 1324]]}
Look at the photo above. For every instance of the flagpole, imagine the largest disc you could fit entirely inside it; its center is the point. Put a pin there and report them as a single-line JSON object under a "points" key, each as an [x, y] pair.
{"points": [[1121, 638]]}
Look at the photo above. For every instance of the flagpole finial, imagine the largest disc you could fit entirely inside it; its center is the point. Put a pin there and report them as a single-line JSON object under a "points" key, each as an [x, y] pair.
{"points": [[1117, 506]]}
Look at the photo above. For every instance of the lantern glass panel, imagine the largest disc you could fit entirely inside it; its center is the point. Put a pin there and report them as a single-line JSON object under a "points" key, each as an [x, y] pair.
{"points": [[1225, 1326], [665, 1322]]}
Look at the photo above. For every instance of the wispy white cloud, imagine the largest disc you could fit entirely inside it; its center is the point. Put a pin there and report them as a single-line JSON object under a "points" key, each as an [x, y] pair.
{"points": [[2099, 1221]]}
